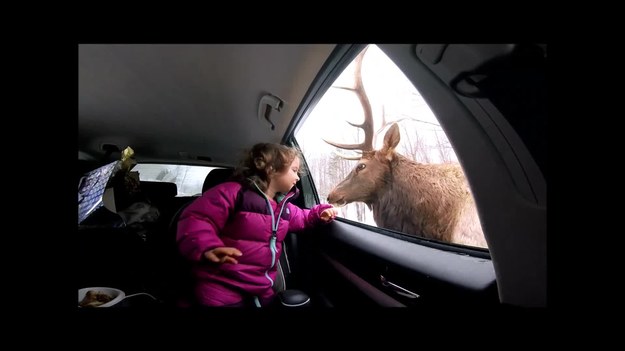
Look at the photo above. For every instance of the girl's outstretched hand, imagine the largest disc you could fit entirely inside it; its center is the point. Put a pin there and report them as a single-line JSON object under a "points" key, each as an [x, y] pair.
{"points": [[328, 214], [223, 255]]}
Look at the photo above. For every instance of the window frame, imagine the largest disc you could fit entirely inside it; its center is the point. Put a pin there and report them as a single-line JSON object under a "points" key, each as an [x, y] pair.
{"points": [[340, 59]]}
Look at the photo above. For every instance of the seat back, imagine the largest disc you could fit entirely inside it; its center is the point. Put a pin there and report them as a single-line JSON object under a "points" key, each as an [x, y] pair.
{"points": [[159, 192], [217, 176], [162, 195]]}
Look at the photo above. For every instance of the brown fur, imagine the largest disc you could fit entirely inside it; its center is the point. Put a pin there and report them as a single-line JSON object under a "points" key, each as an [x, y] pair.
{"points": [[428, 200]]}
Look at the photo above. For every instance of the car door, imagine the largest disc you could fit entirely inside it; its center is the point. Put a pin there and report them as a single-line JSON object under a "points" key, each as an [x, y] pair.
{"points": [[489, 101]]}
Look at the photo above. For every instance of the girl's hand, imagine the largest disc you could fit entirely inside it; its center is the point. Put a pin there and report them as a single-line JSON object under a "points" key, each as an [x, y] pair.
{"points": [[223, 255], [328, 214]]}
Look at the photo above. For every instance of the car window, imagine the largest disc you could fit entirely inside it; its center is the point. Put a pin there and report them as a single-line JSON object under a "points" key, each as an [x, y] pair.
{"points": [[188, 178], [356, 167]]}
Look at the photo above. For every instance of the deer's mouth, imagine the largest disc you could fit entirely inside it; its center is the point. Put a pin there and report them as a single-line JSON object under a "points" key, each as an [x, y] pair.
{"points": [[339, 203], [336, 199]]}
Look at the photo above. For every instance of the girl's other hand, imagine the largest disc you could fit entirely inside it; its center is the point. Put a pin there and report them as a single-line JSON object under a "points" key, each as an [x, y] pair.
{"points": [[223, 255]]}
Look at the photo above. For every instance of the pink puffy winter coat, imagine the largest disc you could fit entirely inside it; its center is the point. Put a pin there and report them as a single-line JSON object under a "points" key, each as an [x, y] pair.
{"points": [[211, 221]]}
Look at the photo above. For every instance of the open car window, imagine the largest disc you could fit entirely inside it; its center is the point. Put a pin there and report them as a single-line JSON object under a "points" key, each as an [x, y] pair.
{"points": [[394, 119]]}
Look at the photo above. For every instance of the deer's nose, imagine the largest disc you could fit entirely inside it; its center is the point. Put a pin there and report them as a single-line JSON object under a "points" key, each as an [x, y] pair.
{"points": [[333, 198]]}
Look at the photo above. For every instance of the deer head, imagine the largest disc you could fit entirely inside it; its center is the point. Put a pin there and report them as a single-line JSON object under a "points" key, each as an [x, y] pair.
{"points": [[371, 175]]}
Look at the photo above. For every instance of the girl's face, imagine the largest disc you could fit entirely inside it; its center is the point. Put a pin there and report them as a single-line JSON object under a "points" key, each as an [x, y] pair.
{"points": [[283, 182]]}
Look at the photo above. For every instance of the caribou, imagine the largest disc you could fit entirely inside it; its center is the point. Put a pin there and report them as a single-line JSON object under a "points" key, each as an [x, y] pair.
{"points": [[433, 201]]}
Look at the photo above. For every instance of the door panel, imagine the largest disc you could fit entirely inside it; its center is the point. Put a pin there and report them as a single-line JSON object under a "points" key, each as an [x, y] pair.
{"points": [[354, 264]]}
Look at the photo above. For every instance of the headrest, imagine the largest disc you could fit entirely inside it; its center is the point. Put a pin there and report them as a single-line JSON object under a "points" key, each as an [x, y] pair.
{"points": [[158, 190], [217, 176]]}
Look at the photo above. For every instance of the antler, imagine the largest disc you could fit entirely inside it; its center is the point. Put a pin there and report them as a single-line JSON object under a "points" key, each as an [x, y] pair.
{"points": [[367, 124]]}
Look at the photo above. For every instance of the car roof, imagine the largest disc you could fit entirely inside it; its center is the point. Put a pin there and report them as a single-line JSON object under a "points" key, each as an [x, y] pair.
{"points": [[185, 103]]}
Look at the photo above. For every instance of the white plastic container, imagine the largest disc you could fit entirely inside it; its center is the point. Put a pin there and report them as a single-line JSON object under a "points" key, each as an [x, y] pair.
{"points": [[116, 294]]}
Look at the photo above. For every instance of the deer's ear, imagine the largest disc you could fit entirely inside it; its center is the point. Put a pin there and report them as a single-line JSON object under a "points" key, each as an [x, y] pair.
{"points": [[391, 139]]}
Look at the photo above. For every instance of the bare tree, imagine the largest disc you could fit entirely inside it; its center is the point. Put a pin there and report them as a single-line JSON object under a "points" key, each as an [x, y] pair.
{"points": [[444, 148]]}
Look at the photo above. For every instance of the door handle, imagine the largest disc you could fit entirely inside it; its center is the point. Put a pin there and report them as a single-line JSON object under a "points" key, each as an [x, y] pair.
{"points": [[398, 289]]}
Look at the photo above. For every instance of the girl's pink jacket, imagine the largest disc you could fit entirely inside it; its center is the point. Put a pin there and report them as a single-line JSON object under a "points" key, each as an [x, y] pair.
{"points": [[211, 221]]}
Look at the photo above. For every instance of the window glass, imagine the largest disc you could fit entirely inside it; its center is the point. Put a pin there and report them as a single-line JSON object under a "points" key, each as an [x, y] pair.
{"points": [[402, 186], [189, 179]]}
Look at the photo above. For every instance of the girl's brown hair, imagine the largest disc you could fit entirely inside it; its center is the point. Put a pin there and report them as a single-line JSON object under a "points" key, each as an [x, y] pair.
{"points": [[264, 159]]}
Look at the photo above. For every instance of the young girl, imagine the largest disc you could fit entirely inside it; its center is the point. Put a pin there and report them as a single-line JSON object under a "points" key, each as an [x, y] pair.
{"points": [[233, 233]]}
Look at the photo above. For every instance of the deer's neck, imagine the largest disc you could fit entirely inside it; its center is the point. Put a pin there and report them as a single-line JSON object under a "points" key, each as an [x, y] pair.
{"points": [[416, 201], [392, 205]]}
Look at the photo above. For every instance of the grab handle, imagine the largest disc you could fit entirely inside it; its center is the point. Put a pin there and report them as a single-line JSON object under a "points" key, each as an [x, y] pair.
{"points": [[398, 289]]}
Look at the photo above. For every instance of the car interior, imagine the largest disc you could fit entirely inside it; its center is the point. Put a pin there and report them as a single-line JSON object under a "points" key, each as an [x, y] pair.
{"points": [[205, 105]]}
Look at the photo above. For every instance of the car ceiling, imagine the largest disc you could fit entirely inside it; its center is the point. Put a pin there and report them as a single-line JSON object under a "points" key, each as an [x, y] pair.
{"points": [[168, 100]]}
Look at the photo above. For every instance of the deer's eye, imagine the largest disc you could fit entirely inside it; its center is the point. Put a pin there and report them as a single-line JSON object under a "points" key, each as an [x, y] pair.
{"points": [[360, 167]]}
